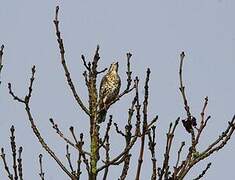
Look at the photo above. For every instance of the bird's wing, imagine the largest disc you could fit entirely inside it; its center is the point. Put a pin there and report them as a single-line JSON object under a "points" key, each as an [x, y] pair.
{"points": [[113, 92], [117, 89], [103, 87]]}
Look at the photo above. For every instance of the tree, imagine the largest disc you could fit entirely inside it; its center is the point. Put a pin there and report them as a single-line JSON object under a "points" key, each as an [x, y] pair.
{"points": [[139, 127]]}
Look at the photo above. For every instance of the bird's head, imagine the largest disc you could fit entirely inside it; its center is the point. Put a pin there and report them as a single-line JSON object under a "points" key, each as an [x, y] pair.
{"points": [[113, 67]]}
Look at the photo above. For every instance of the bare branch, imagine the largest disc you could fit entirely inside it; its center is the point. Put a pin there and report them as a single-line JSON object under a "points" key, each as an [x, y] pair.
{"points": [[128, 136], [126, 167], [118, 130], [67, 73], [102, 71], [13, 95], [59, 132], [95, 60], [1, 54], [41, 173], [107, 156], [182, 88], [170, 135], [68, 156], [87, 66], [137, 107], [3, 156], [19, 160], [34, 127], [203, 121], [128, 72], [85, 160], [152, 144], [109, 124], [190, 122], [13, 149], [203, 172], [179, 153], [82, 153], [144, 125]]}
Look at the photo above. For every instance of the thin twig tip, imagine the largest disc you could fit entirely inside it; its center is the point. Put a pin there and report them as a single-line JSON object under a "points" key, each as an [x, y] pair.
{"points": [[182, 55], [2, 47]]}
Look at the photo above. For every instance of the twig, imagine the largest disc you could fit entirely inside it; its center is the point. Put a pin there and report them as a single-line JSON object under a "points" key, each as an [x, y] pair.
{"points": [[170, 136], [203, 172], [79, 161], [190, 122], [150, 125], [128, 136], [95, 60], [182, 88], [17, 168], [59, 132], [107, 156], [67, 73], [144, 126], [80, 155], [126, 167], [80, 144], [19, 160], [13, 95], [177, 167], [41, 173], [203, 121], [87, 66], [102, 71], [179, 153], [68, 156], [137, 107], [3, 156], [118, 130], [73, 134], [109, 124], [128, 72], [152, 144], [116, 160], [1, 54], [13, 149]]}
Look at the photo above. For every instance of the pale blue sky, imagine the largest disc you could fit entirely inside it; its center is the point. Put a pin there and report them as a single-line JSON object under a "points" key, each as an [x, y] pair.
{"points": [[155, 32]]}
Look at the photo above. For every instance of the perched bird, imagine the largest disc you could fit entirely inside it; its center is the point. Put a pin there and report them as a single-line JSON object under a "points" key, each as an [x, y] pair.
{"points": [[109, 90], [189, 123]]}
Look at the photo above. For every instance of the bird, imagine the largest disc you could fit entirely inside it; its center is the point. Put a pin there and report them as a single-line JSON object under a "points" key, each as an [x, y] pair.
{"points": [[189, 123], [109, 91]]}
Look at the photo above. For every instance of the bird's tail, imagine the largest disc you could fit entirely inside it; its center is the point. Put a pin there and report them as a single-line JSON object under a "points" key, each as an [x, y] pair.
{"points": [[101, 116]]}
